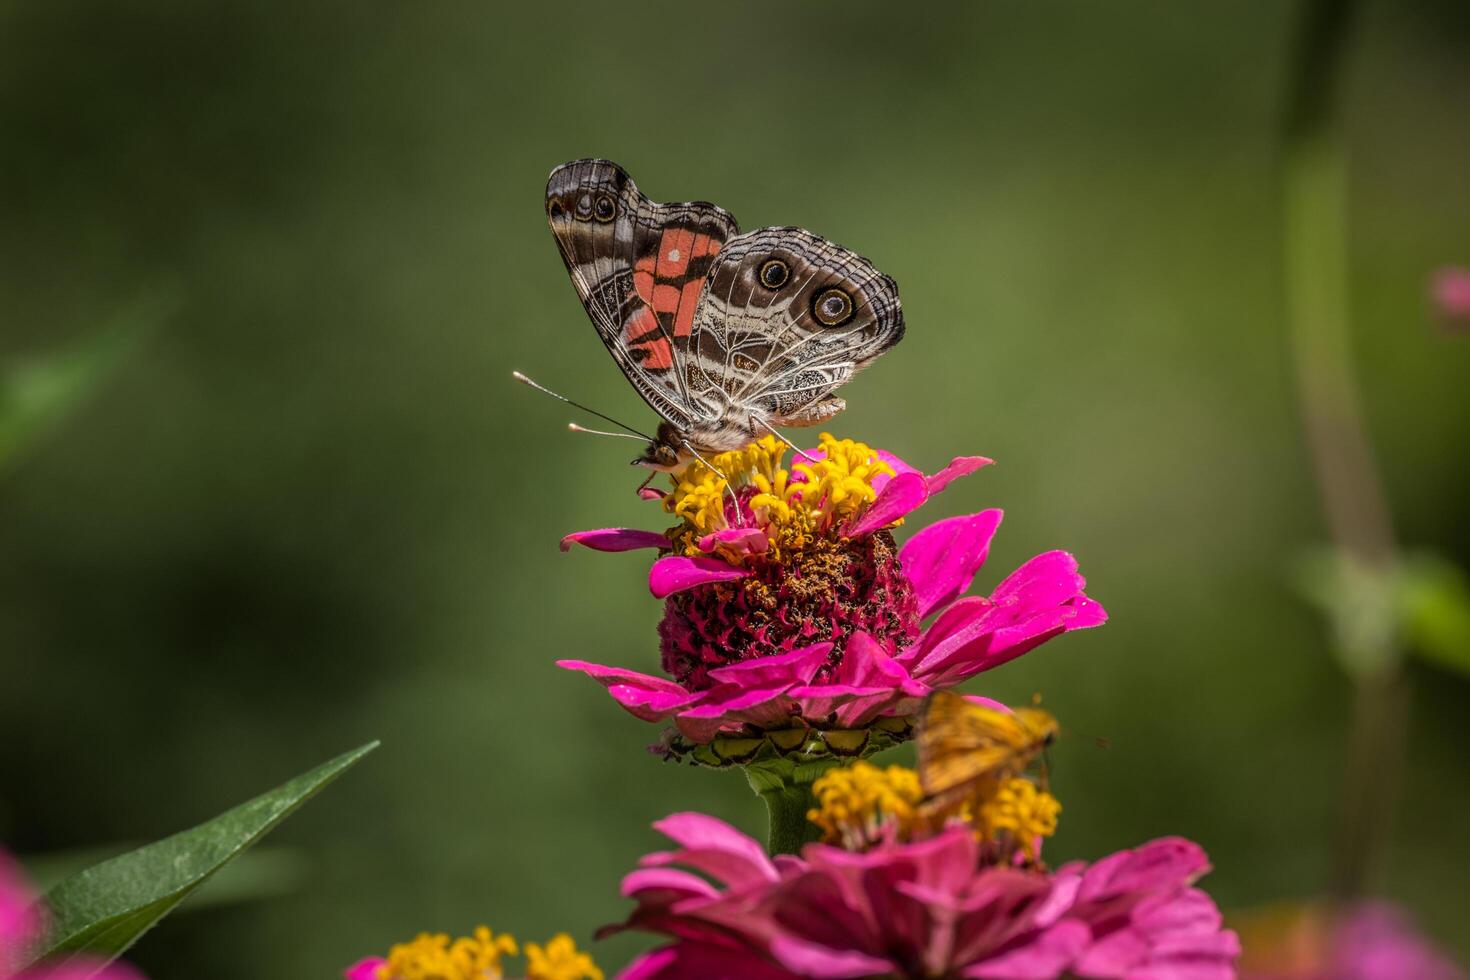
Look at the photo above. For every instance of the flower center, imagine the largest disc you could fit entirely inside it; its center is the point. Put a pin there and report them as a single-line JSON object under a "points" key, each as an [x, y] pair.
{"points": [[826, 591], [750, 488], [860, 805], [1018, 814], [435, 957]]}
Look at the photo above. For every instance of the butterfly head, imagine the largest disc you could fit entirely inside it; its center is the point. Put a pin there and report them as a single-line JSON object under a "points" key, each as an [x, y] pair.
{"points": [[666, 450]]}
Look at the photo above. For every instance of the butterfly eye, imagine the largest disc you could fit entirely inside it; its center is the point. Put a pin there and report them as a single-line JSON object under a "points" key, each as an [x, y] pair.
{"points": [[832, 307], [584, 207], [605, 209], [774, 273]]}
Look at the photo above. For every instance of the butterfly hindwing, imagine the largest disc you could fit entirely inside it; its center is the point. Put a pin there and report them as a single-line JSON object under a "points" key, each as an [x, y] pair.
{"points": [[786, 318]]}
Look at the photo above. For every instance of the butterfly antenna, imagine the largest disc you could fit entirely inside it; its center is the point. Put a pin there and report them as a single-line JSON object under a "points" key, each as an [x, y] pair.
{"points": [[578, 405], [574, 427]]}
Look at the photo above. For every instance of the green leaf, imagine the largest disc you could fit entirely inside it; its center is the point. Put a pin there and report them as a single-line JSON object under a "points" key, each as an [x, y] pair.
{"points": [[102, 911], [36, 394]]}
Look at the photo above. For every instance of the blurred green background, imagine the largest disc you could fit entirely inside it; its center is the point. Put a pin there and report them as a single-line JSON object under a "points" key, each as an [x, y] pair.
{"points": [[310, 508]]}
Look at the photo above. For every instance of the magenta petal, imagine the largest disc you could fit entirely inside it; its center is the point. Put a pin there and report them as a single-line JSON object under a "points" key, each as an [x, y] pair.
{"points": [[736, 541], [704, 961], [958, 467], [942, 559], [365, 969], [797, 667], [729, 705], [643, 696], [21, 919], [615, 539], [712, 846], [808, 959], [668, 882], [677, 573], [1045, 957], [900, 496]]}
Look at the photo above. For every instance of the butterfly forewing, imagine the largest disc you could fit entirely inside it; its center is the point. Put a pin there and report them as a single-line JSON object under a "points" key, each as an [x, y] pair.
{"points": [[638, 267]]}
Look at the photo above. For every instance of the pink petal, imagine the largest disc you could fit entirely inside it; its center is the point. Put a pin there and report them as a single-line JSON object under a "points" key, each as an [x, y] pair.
{"points": [[1043, 958], [670, 883], [796, 667], [366, 969], [644, 696], [712, 846], [809, 959], [942, 559], [21, 920], [958, 467], [703, 961], [615, 539], [729, 705], [900, 496], [677, 573], [736, 541]]}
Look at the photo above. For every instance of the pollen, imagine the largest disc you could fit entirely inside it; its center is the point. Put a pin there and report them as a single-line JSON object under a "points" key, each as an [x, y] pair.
{"points": [[1020, 813], [559, 959], [861, 804], [751, 487], [433, 956]]}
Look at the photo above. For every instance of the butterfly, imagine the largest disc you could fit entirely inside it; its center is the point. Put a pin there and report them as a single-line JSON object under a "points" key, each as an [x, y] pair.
{"points": [[725, 335], [963, 746]]}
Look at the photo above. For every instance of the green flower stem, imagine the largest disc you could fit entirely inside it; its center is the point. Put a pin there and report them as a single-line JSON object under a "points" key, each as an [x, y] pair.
{"points": [[1314, 182], [786, 786]]}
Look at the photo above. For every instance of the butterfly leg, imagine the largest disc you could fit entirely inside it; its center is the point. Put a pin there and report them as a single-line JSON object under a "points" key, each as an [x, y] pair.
{"points": [[772, 430]]}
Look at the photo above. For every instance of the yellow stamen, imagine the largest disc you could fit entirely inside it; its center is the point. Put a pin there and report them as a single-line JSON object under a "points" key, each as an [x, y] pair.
{"points": [[791, 505], [858, 803], [434, 957], [559, 959], [1020, 810]]}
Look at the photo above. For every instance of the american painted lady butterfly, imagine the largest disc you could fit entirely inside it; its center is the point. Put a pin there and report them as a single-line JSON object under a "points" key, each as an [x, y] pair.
{"points": [[725, 335]]}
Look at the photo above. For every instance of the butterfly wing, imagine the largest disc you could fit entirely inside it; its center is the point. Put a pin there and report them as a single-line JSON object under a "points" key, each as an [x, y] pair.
{"points": [[639, 268], [961, 743], [786, 317]]}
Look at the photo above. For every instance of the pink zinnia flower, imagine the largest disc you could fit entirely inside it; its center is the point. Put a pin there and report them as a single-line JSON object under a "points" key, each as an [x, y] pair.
{"points": [[23, 925], [927, 908], [789, 606]]}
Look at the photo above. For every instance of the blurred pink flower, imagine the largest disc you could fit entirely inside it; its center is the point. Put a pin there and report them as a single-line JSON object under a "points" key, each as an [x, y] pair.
{"points": [[1450, 293], [1368, 941], [923, 909], [780, 618], [23, 925]]}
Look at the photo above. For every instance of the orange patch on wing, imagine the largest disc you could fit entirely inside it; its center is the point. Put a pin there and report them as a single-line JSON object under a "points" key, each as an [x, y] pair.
{"points": [[640, 325], [674, 250], [688, 300], [660, 356], [643, 278], [665, 298]]}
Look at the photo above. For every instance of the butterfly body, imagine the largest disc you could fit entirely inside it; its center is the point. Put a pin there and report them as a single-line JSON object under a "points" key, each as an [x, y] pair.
{"points": [[963, 746], [725, 335]]}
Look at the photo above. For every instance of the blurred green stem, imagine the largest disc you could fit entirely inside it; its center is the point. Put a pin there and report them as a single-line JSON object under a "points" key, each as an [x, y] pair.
{"points": [[786, 788], [1316, 279]]}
